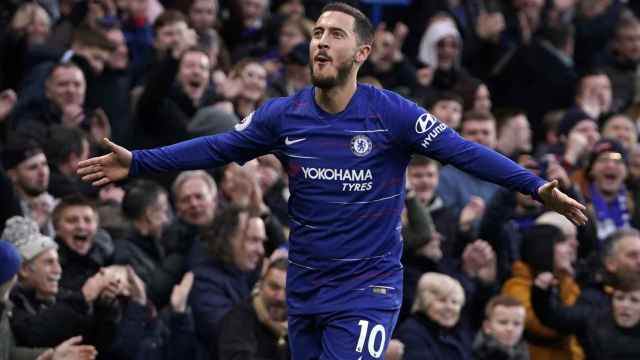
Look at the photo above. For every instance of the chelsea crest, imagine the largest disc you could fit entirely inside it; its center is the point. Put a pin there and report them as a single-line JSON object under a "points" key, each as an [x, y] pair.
{"points": [[361, 145]]}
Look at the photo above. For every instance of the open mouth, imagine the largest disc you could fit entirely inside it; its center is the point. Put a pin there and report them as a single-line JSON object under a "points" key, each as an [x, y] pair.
{"points": [[80, 237], [322, 59], [194, 84]]}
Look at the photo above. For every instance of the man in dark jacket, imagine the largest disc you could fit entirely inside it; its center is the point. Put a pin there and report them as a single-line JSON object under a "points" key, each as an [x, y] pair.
{"points": [[28, 169], [146, 205], [43, 314], [177, 87], [65, 147], [69, 350], [89, 50], [84, 248], [62, 103], [257, 327], [619, 260]]}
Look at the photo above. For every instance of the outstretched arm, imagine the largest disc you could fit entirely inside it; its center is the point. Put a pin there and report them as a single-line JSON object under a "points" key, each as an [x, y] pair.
{"points": [[254, 137], [424, 134]]}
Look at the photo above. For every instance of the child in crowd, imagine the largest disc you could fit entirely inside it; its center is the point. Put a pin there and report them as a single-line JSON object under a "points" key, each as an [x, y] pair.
{"points": [[501, 335], [609, 333]]}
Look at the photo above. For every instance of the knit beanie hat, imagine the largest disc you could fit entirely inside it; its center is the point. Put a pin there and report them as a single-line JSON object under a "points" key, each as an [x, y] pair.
{"points": [[9, 261], [24, 234]]}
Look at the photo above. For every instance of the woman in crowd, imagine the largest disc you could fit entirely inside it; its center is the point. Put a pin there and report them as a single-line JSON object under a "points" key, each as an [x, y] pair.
{"points": [[433, 331], [545, 249]]}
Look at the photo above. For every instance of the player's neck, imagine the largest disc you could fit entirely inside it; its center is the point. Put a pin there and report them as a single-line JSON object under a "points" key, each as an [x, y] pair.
{"points": [[335, 99]]}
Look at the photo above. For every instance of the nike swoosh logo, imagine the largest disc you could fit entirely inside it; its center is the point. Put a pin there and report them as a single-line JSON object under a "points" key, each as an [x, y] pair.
{"points": [[291, 142]]}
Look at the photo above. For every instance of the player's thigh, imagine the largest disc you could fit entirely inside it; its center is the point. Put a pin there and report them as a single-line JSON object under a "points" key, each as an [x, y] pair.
{"points": [[304, 337], [358, 335]]}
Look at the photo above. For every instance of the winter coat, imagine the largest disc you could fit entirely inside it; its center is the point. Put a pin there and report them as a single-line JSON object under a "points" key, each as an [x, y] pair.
{"points": [[544, 343], [48, 323], [486, 347], [77, 269], [163, 110], [602, 338], [217, 287], [145, 335], [8, 348], [424, 339], [243, 336], [159, 271]]}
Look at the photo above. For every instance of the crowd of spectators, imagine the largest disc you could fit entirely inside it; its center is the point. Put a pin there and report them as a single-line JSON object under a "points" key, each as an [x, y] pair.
{"points": [[193, 265]]}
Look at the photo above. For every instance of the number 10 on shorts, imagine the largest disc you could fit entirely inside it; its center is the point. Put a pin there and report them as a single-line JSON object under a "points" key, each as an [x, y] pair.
{"points": [[377, 330]]}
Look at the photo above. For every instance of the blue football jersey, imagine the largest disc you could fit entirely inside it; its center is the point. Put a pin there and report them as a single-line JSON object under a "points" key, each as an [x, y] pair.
{"points": [[347, 178]]}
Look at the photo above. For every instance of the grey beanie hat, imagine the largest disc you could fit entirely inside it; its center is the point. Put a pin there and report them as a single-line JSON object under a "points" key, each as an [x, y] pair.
{"points": [[24, 234]]}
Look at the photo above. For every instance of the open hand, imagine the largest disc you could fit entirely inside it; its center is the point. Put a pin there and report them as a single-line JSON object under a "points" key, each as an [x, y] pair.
{"points": [[556, 200], [104, 169], [71, 350]]}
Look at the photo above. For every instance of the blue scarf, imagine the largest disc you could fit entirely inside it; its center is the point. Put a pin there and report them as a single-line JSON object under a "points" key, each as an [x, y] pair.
{"points": [[612, 216]]}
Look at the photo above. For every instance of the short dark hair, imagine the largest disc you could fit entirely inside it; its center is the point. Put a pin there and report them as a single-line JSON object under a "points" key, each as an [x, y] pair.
{"points": [[558, 35], [467, 89], [168, 17], [62, 142], [278, 264], [70, 201], [139, 196], [589, 72], [501, 300], [361, 26], [445, 96]]}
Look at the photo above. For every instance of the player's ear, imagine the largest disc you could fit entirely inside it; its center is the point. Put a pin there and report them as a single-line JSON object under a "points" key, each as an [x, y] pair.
{"points": [[363, 53]]}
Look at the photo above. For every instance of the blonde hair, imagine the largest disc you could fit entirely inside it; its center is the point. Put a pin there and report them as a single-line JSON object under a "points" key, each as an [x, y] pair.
{"points": [[26, 14], [434, 285]]}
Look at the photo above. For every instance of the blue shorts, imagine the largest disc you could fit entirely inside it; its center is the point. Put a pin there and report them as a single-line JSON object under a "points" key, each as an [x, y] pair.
{"points": [[343, 335]]}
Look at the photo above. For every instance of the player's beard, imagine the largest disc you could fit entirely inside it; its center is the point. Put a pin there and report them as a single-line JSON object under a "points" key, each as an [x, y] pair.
{"points": [[343, 72]]}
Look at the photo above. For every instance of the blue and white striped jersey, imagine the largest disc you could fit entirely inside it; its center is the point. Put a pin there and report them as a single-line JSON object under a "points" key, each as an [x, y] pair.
{"points": [[346, 177]]}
